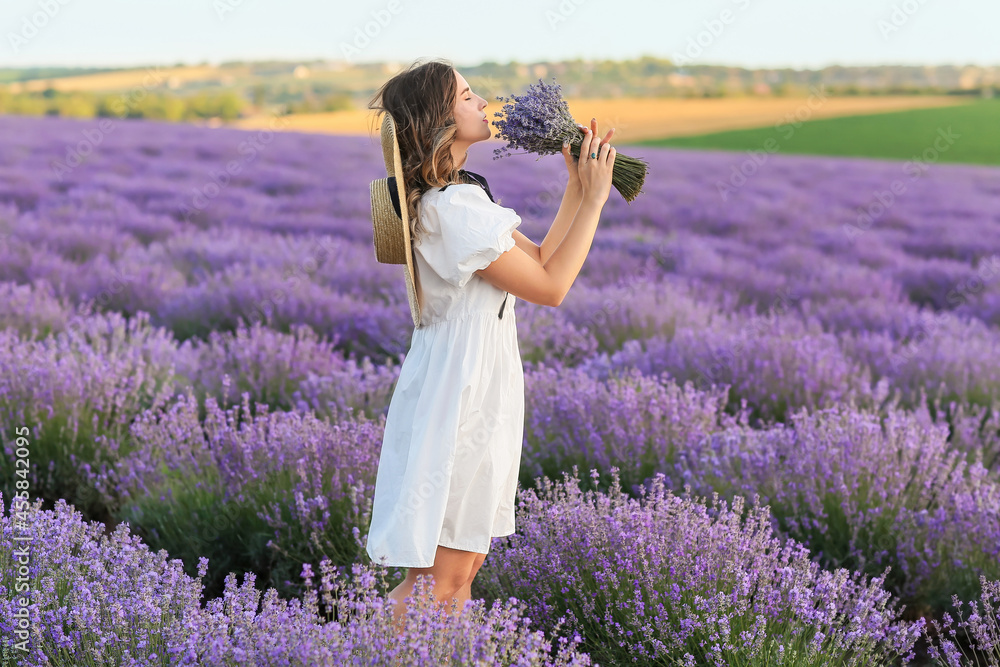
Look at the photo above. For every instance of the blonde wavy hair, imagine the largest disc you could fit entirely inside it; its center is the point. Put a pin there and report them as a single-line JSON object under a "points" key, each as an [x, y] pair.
{"points": [[421, 101]]}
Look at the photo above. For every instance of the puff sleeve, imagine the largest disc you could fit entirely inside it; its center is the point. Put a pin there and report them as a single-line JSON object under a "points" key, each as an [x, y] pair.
{"points": [[465, 232]]}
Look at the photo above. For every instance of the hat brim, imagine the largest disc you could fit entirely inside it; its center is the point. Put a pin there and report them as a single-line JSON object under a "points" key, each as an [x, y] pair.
{"points": [[394, 167]]}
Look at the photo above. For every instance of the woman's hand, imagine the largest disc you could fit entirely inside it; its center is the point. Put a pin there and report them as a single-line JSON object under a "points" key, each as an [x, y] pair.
{"points": [[595, 173], [571, 162]]}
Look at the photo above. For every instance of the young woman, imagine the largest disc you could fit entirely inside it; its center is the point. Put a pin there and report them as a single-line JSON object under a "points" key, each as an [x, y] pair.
{"points": [[448, 469]]}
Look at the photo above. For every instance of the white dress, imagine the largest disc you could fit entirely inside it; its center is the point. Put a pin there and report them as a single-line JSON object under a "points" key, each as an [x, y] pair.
{"points": [[448, 469]]}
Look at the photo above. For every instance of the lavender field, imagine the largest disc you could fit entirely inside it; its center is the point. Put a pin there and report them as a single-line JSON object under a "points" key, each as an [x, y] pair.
{"points": [[763, 428]]}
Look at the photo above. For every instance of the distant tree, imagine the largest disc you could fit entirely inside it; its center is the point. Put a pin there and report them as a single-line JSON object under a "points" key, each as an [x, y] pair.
{"points": [[229, 105], [75, 106], [28, 105], [339, 102], [172, 109], [258, 94]]}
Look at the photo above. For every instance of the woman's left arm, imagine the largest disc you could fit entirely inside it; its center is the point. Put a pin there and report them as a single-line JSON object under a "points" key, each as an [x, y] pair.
{"points": [[557, 232], [567, 209], [564, 218]]}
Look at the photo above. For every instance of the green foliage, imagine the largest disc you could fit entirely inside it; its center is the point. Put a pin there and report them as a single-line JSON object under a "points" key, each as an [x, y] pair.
{"points": [[227, 105], [190, 517], [78, 392], [328, 103], [901, 135]]}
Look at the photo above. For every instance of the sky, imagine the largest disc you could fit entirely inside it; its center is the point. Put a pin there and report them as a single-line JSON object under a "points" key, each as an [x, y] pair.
{"points": [[801, 34]]}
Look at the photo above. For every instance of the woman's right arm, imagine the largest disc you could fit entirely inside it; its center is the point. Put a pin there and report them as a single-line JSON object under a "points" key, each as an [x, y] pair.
{"points": [[572, 196], [521, 275]]}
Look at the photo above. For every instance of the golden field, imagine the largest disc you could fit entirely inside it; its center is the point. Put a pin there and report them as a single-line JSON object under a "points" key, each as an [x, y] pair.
{"points": [[120, 80], [636, 119]]}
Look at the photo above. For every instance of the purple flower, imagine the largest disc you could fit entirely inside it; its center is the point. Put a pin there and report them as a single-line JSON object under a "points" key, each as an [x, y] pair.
{"points": [[539, 122]]}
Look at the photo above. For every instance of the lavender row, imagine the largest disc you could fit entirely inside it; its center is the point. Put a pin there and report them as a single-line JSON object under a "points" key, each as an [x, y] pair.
{"points": [[70, 593], [777, 360], [859, 488], [630, 417], [155, 219], [668, 580]]}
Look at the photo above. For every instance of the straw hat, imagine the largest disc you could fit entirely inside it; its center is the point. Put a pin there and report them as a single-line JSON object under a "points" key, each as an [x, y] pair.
{"points": [[392, 228]]}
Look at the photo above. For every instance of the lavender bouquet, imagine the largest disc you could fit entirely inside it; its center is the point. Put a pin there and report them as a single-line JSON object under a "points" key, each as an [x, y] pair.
{"points": [[539, 121]]}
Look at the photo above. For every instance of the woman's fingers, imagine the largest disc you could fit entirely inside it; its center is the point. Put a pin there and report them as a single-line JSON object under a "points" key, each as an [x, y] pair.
{"points": [[609, 154], [584, 147], [593, 128], [593, 134], [593, 137], [566, 154]]}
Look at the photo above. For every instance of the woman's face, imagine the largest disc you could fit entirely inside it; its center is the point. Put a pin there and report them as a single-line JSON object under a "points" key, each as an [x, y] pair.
{"points": [[470, 118]]}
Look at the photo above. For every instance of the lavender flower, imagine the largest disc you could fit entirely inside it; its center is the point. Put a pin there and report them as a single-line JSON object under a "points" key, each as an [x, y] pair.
{"points": [[981, 629], [909, 313], [108, 599], [670, 580], [539, 122]]}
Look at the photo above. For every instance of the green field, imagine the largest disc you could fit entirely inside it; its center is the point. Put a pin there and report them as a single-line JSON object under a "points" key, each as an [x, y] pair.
{"points": [[902, 135]]}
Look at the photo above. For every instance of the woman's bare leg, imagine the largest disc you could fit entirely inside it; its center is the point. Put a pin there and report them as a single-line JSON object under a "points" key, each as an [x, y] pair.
{"points": [[453, 572], [465, 592]]}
